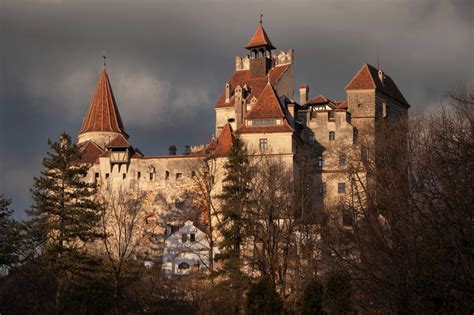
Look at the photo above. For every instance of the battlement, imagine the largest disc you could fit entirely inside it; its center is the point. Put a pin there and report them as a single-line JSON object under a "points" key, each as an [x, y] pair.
{"points": [[283, 58]]}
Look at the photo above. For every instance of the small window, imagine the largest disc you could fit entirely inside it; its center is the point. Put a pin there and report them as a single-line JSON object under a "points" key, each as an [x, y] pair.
{"points": [[332, 135], [152, 176], [167, 174], [263, 144], [342, 160], [192, 237], [139, 174], [384, 109], [124, 176], [213, 180], [96, 175], [106, 175], [311, 137], [322, 189], [183, 266], [341, 188], [184, 238], [193, 174], [231, 120], [320, 161], [179, 175]]}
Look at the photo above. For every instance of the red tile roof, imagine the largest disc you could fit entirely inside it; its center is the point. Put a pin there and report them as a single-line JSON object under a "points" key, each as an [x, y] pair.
{"points": [[118, 142], [285, 127], [267, 106], [256, 85], [224, 142], [90, 152], [368, 78], [320, 99], [342, 104], [103, 114], [260, 39]]}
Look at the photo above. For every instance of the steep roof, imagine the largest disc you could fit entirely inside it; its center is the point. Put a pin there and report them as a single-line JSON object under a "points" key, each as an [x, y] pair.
{"points": [[256, 85], [318, 100], [89, 152], [368, 78], [118, 142], [103, 114], [224, 142], [267, 106], [260, 39]]}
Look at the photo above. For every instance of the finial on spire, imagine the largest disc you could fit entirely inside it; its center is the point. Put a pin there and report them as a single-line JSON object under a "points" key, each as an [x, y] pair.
{"points": [[104, 57], [261, 17]]}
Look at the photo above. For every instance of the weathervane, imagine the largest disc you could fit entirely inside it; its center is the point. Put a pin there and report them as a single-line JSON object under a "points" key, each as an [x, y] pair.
{"points": [[104, 57], [261, 17]]}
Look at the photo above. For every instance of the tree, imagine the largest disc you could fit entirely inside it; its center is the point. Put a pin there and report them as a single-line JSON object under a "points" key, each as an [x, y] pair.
{"points": [[9, 235], [262, 298], [235, 204], [338, 295], [65, 216], [311, 301]]}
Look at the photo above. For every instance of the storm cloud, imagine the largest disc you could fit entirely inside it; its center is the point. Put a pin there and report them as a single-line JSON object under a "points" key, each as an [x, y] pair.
{"points": [[169, 60]]}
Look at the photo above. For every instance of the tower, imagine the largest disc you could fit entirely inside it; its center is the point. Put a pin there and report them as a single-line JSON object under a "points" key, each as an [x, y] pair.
{"points": [[102, 122], [260, 48]]}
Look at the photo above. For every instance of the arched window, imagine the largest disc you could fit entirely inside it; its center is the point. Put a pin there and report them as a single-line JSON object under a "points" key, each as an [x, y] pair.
{"points": [[320, 161], [167, 174], [332, 135], [183, 266]]}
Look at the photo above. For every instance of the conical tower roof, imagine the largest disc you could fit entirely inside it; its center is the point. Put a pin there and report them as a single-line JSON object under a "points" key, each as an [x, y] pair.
{"points": [[103, 114], [260, 39]]}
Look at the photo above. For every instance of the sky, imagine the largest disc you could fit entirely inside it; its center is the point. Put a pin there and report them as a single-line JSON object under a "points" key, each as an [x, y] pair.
{"points": [[168, 62]]}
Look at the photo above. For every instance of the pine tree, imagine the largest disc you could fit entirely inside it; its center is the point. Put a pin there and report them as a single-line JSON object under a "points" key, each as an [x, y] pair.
{"points": [[65, 216], [235, 202], [262, 298], [9, 234]]}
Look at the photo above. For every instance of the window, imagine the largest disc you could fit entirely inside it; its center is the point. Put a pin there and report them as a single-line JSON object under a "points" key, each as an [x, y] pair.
{"points": [[193, 174], [183, 266], [342, 160], [231, 120], [331, 115], [192, 237], [124, 176], [184, 238], [264, 122], [311, 137], [179, 175], [263, 144], [363, 153], [332, 135], [320, 161], [152, 176], [384, 109], [106, 175], [96, 177], [139, 174], [167, 174], [322, 189], [341, 188]]}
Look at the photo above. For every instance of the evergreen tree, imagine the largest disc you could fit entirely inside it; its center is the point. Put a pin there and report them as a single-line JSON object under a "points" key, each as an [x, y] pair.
{"points": [[262, 298], [65, 216], [338, 296], [9, 234], [235, 202]]}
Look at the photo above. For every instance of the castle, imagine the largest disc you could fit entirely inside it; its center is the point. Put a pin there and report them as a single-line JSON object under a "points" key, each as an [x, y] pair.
{"points": [[258, 104]]}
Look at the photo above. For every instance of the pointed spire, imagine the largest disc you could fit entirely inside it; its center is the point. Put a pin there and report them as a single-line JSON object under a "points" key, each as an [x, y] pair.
{"points": [[260, 38], [224, 142], [103, 114]]}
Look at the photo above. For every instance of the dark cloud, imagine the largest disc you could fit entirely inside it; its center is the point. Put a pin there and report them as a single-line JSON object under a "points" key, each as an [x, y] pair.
{"points": [[168, 61]]}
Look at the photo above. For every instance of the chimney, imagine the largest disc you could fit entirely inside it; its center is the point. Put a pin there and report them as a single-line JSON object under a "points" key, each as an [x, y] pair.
{"points": [[227, 93], [291, 109], [172, 150], [304, 90]]}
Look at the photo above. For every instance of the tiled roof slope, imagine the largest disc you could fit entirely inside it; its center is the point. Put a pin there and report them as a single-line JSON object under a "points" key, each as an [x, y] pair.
{"points": [[267, 106], [224, 142], [89, 152], [367, 78], [103, 114], [118, 142], [259, 39], [256, 85]]}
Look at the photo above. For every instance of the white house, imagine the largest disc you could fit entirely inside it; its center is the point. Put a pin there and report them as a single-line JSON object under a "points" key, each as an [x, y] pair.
{"points": [[186, 251]]}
